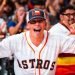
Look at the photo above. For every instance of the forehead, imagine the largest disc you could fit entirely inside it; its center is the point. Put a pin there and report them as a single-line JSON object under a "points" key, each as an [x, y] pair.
{"points": [[70, 11], [21, 9], [37, 19]]}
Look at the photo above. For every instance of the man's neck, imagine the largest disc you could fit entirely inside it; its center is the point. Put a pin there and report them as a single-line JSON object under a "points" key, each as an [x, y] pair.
{"points": [[36, 40], [65, 25]]}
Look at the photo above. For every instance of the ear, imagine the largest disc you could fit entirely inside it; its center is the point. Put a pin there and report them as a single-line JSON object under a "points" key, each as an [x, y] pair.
{"points": [[45, 23], [28, 26], [61, 17]]}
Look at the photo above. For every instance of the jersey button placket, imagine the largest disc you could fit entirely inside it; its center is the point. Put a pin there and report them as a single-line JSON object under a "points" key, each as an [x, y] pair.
{"points": [[36, 57]]}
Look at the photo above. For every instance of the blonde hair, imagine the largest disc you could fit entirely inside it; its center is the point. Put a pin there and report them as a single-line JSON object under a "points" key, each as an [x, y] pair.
{"points": [[15, 17]]}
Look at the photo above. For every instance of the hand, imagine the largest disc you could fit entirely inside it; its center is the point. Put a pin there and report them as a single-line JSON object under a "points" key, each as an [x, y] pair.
{"points": [[72, 28], [73, 25], [21, 17], [4, 2], [2, 36], [49, 2]]}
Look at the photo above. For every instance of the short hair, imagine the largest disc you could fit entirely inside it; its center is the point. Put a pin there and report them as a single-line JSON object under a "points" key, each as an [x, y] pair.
{"points": [[63, 9]]}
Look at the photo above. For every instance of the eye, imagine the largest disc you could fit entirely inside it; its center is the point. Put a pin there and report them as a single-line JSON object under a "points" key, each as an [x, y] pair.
{"points": [[32, 22], [69, 14], [35, 21]]}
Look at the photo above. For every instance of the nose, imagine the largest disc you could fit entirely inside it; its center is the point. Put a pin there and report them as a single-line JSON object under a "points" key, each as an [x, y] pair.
{"points": [[37, 23], [72, 16]]}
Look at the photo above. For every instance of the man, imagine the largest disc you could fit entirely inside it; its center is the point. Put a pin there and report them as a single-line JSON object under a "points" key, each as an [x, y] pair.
{"points": [[66, 26], [36, 51]]}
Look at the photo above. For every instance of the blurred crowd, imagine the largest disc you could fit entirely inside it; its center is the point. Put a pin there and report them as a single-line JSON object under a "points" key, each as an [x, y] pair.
{"points": [[13, 20]]}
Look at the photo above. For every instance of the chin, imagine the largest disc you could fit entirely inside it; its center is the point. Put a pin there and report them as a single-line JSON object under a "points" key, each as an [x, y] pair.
{"points": [[37, 34]]}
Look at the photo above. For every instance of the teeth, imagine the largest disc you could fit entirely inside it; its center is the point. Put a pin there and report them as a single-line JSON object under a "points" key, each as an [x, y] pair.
{"points": [[37, 30]]}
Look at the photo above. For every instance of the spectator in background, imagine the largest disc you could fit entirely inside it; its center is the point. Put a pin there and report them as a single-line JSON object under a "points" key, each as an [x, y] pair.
{"points": [[2, 5], [38, 4], [66, 27], [3, 26], [6, 9], [19, 3], [16, 3], [72, 2], [3, 29], [17, 23], [52, 7]]}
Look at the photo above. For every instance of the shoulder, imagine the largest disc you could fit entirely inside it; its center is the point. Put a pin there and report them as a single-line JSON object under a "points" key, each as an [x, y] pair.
{"points": [[15, 38], [59, 29], [58, 37], [56, 26], [11, 23]]}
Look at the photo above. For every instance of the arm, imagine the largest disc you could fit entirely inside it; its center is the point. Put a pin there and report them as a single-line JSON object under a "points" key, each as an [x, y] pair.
{"points": [[72, 28], [14, 29], [68, 44], [5, 48]]}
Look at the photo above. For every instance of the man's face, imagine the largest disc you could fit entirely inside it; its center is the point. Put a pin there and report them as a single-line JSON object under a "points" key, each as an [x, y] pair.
{"points": [[68, 17], [37, 26]]}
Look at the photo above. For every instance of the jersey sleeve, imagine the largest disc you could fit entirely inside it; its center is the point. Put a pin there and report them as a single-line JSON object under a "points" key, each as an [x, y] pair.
{"points": [[5, 48], [68, 45]]}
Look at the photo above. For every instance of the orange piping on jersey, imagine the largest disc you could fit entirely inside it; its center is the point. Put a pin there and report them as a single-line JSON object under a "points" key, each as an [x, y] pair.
{"points": [[29, 44], [65, 25], [42, 49], [32, 49]]}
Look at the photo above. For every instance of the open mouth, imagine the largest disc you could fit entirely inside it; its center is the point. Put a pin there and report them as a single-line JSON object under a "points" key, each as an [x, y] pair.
{"points": [[37, 30]]}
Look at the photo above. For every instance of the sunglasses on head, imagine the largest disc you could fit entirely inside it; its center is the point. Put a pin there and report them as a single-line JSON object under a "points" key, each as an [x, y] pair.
{"points": [[36, 20]]}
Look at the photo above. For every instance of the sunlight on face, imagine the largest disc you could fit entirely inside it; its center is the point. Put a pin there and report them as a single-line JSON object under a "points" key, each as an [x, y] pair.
{"points": [[37, 26]]}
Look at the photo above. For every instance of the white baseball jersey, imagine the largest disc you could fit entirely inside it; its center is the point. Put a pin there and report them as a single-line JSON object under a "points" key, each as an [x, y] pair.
{"points": [[32, 60], [59, 29]]}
